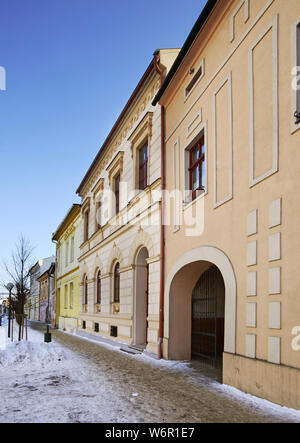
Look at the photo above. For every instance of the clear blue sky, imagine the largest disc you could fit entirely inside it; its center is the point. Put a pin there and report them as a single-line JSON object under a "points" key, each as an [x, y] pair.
{"points": [[71, 65]]}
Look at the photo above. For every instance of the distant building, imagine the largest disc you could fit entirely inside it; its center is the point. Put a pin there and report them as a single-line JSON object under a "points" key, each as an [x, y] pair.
{"points": [[47, 283], [3, 301]]}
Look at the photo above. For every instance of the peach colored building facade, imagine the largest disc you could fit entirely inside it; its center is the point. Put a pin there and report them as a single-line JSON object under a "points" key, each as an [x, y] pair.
{"points": [[233, 143]]}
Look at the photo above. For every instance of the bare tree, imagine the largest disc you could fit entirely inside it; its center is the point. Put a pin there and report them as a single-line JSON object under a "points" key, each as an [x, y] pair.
{"points": [[18, 269]]}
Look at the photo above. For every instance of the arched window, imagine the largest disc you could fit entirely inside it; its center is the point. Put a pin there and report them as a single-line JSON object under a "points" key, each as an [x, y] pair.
{"points": [[117, 283], [86, 290], [99, 288]]}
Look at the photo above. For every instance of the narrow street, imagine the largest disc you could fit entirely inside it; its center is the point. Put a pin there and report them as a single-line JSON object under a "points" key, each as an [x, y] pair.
{"points": [[90, 382]]}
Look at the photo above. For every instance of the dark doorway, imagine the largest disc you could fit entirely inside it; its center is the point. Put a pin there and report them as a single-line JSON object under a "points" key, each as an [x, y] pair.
{"points": [[208, 304]]}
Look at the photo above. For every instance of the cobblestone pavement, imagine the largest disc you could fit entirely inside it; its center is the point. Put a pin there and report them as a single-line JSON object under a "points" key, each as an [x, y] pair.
{"points": [[103, 384]]}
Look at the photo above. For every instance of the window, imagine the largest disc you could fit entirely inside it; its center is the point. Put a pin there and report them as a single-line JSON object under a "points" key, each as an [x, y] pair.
{"points": [[99, 288], [66, 296], [197, 76], [67, 254], [114, 331], [117, 284], [98, 213], [117, 192], [96, 327], [71, 295], [86, 225], [57, 300], [143, 166], [197, 168], [86, 291], [140, 147], [58, 260], [83, 325]]}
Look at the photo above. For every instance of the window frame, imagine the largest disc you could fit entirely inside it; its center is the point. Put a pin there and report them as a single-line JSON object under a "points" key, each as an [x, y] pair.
{"points": [[143, 165], [196, 165], [66, 253], [98, 213], [86, 225], [71, 295], [86, 288], [72, 249], [66, 296], [117, 181], [186, 164]]}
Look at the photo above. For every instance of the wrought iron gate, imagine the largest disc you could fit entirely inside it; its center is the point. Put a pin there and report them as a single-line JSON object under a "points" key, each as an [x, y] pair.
{"points": [[207, 325]]}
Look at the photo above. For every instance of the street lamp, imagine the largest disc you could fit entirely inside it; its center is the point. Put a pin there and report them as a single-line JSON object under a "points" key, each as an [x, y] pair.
{"points": [[9, 286]]}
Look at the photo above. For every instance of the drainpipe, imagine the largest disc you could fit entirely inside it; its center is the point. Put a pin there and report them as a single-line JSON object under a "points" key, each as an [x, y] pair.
{"points": [[162, 209]]}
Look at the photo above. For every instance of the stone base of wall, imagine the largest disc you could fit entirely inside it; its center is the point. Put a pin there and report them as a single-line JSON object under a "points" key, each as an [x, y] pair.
{"points": [[276, 383]]}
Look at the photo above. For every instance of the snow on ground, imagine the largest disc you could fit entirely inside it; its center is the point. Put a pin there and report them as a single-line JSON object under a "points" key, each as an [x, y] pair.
{"points": [[78, 380]]}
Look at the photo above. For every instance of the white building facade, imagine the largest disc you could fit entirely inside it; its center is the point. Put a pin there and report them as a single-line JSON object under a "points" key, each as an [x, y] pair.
{"points": [[120, 251]]}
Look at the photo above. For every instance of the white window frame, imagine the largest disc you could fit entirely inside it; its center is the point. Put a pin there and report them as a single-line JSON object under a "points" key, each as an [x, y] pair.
{"points": [[67, 254], [72, 249]]}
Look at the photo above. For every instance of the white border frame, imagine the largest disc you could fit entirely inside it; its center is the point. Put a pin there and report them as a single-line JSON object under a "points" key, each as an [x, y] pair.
{"points": [[176, 185], [274, 27], [232, 19], [228, 80], [185, 162]]}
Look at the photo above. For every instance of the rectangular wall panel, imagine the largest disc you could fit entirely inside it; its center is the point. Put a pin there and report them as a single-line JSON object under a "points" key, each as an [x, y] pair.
{"points": [[223, 149], [263, 75]]}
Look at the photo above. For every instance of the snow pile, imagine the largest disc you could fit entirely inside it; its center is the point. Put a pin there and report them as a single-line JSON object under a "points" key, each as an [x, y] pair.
{"points": [[39, 355]]}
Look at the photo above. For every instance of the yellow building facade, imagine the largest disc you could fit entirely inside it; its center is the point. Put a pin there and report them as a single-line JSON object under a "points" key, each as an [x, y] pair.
{"points": [[67, 238], [232, 104]]}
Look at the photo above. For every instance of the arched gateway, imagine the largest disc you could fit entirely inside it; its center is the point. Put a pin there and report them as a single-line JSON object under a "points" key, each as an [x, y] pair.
{"points": [[199, 266]]}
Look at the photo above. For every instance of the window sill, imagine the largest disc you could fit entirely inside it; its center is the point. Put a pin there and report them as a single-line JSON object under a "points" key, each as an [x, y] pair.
{"points": [[115, 308]]}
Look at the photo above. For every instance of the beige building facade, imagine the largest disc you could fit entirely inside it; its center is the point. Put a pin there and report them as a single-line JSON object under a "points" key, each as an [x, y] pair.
{"points": [[232, 152], [120, 250]]}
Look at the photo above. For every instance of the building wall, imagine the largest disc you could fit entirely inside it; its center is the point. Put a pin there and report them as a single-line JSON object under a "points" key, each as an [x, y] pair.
{"points": [[67, 275], [244, 104]]}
